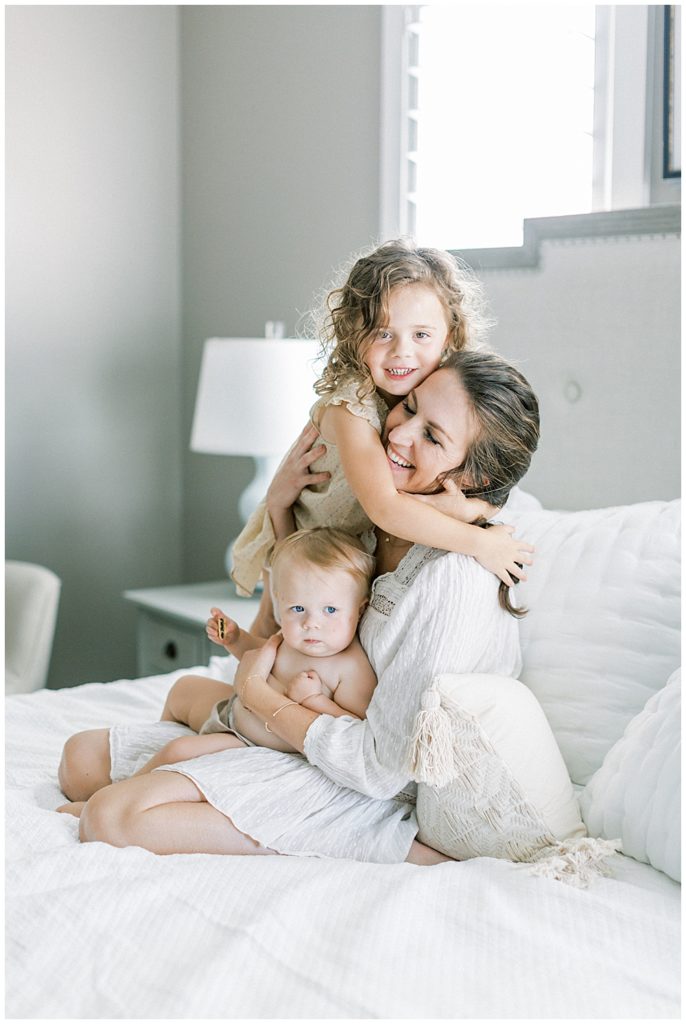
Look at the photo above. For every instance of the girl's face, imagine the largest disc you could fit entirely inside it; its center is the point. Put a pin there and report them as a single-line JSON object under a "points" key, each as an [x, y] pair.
{"points": [[409, 347], [429, 433]]}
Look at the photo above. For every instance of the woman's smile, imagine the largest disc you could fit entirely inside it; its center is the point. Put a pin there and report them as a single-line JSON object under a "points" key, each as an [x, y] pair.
{"points": [[397, 461]]}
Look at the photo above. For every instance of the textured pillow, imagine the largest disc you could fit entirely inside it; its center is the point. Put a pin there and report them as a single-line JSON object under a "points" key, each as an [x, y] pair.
{"points": [[510, 794], [636, 792], [603, 626]]}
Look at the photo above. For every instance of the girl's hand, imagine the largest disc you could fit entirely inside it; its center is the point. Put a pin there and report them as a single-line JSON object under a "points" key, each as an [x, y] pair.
{"points": [[452, 502], [503, 554], [294, 473], [221, 629], [304, 685], [254, 668]]}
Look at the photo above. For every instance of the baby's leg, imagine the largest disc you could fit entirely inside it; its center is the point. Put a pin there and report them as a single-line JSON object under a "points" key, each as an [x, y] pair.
{"points": [[185, 748], [192, 698], [85, 764], [265, 625]]}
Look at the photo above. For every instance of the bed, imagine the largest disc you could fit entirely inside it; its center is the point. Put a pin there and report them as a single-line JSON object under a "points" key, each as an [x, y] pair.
{"points": [[99, 932]]}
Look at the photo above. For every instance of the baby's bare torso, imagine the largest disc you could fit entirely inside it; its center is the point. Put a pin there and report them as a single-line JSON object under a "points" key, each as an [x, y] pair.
{"points": [[289, 663]]}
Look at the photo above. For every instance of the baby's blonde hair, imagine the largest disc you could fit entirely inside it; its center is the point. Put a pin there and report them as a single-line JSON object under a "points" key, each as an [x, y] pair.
{"points": [[325, 548], [355, 310]]}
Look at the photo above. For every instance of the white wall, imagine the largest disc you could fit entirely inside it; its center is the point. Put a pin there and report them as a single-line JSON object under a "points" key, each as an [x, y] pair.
{"points": [[93, 481], [280, 153], [601, 316]]}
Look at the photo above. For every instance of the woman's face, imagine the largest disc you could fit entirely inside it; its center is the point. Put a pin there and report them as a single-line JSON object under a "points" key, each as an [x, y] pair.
{"points": [[429, 433]]}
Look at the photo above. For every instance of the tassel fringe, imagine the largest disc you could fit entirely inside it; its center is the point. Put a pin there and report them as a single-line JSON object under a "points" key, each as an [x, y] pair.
{"points": [[576, 862], [433, 740]]}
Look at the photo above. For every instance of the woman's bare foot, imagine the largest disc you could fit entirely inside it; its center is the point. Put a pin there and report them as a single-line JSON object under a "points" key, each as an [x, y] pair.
{"points": [[421, 854], [74, 808]]}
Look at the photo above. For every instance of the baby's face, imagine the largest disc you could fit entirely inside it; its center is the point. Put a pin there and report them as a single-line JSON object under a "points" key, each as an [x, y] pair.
{"points": [[319, 608]]}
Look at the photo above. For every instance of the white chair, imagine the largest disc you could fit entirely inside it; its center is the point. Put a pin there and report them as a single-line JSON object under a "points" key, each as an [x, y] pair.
{"points": [[32, 595]]}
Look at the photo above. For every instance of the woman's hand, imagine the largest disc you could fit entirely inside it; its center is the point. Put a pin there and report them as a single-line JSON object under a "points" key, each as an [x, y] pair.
{"points": [[294, 473], [254, 669], [452, 502]]}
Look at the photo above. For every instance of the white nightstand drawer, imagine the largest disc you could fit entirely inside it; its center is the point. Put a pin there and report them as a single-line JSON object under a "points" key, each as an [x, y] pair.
{"points": [[165, 646], [171, 621]]}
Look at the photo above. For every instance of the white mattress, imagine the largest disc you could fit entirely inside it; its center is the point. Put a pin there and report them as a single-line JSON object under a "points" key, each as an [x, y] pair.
{"points": [[96, 932]]}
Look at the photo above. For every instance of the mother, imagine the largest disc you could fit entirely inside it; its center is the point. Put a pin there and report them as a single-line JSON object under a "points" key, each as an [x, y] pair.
{"points": [[474, 421]]}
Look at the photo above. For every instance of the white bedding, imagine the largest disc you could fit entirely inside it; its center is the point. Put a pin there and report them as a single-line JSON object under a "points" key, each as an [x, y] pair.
{"points": [[95, 932]]}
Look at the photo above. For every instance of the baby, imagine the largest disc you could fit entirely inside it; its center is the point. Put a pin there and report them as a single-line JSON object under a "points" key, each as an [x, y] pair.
{"points": [[320, 583]]}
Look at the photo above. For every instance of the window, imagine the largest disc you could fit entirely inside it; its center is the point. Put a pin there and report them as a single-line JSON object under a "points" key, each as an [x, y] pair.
{"points": [[494, 114]]}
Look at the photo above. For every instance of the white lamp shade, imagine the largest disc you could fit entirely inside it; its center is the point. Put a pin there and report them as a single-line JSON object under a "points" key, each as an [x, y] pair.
{"points": [[254, 395]]}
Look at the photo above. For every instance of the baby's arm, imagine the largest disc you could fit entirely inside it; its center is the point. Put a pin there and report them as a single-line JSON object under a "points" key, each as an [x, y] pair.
{"points": [[223, 631], [366, 469], [351, 696]]}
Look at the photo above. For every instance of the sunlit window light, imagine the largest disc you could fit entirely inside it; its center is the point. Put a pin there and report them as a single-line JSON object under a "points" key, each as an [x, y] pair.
{"points": [[500, 120]]}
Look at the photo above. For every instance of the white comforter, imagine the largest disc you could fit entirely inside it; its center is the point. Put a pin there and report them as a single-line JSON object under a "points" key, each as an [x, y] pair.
{"points": [[95, 932]]}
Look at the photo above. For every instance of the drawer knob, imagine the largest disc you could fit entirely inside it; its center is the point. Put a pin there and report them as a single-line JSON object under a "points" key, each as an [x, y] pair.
{"points": [[170, 650]]}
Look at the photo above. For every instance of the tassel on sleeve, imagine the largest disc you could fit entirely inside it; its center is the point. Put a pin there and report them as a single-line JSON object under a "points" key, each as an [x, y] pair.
{"points": [[432, 745]]}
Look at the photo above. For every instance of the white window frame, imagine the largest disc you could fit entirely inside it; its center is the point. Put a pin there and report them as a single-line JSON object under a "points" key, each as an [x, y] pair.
{"points": [[627, 173]]}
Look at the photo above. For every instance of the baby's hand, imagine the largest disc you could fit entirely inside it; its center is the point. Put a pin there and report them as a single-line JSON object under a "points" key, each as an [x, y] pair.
{"points": [[452, 502], [221, 629], [304, 685], [503, 554]]}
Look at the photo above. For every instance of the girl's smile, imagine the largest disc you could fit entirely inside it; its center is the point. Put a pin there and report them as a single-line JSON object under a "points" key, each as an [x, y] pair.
{"points": [[404, 351]]}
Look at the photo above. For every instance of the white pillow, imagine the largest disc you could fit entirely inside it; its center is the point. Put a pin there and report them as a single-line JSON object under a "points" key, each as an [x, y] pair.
{"points": [[636, 792], [604, 620], [511, 796]]}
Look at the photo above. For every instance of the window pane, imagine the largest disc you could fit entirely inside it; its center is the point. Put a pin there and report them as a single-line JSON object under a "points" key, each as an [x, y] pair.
{"points": [[505, 120]]}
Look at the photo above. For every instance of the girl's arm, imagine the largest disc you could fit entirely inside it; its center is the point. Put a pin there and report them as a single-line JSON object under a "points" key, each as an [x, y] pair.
{"points": [[364, 463]]}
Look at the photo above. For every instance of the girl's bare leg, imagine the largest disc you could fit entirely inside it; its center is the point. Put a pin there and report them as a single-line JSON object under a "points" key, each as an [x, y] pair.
{"points": [[192, 698], [265, 625], [185, 748], [421, 854], [163, 812], [85, 764]]}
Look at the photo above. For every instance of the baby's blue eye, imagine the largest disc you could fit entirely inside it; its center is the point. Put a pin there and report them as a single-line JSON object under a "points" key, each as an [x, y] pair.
{"points": [[329, 609], [297, 608]]}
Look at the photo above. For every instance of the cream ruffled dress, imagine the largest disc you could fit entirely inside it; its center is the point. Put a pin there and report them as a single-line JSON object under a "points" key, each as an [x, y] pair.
{"points": [[328, 504]]}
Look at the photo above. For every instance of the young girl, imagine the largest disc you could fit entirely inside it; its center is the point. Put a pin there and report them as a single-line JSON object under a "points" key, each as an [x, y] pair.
{"points": [[401, 311]]}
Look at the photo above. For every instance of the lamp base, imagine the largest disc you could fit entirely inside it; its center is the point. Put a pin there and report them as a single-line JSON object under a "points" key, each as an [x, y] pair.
{"points": [[265, 468]]}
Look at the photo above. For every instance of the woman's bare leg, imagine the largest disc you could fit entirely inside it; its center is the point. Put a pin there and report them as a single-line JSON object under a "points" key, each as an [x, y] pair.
{"points": [[185, 748], [85, 764], [163, 812], [421, 854], [192, 698]]}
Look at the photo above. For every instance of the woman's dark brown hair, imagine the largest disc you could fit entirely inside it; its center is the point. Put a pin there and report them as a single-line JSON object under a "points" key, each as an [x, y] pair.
{"points": [[505, 411]]}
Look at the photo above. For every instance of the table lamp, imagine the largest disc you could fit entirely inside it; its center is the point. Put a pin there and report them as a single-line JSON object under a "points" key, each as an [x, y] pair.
{"points": [[254, 396]]}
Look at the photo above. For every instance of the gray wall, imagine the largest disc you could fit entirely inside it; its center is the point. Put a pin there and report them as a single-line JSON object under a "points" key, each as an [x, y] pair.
{"points": [[280, 153], [601, 316], [93, 467]]}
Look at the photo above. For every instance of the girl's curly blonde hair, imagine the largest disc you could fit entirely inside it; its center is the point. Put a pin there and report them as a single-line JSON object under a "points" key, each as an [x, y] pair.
{"points": [[355, 310]]}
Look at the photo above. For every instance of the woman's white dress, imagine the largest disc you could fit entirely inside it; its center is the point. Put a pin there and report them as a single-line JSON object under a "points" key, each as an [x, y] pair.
{"points": [[353, 797]]}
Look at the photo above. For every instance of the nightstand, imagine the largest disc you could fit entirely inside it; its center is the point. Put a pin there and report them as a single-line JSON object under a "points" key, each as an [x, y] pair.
{"points": [[170, 627]]}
